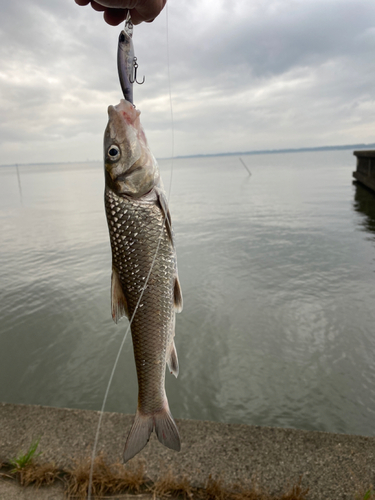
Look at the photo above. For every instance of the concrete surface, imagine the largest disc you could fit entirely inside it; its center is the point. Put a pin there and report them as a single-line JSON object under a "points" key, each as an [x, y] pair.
{"points": [[365, 173], [333, 466]]}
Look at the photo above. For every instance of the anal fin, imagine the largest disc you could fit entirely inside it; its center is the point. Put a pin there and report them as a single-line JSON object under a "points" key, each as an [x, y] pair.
{"points": [[172, 360]]}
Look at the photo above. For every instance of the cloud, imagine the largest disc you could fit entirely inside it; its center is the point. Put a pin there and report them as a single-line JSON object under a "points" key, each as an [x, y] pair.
{"points": [[244, 75]]}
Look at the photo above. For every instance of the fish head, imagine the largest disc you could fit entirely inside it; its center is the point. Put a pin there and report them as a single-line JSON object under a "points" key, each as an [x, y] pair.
{"points": [[130, 167]]}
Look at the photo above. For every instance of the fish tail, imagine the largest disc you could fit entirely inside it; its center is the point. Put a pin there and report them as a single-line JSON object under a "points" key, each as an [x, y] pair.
{"points": [[139, 435], [166, 429]]}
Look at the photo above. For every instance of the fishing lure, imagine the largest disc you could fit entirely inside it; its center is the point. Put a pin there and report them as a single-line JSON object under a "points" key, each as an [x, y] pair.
{"points": [[126, 61]]}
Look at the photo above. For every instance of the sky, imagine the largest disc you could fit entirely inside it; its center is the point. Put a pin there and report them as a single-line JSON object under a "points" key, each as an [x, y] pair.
{"points": [[244, 75]]}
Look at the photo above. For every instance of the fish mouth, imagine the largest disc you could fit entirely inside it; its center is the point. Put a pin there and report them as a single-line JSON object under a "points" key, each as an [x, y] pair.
{"points": [[124, 124], [126, 111]]}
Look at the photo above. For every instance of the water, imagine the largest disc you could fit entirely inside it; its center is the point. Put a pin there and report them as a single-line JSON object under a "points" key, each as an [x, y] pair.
{"points": [[277, 272]]}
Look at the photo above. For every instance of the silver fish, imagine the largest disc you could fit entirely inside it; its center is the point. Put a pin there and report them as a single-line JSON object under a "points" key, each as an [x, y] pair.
{"points": [[140, 226]]}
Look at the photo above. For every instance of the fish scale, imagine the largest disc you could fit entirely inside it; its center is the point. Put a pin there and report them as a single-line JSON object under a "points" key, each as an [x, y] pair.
{"points": [[138, 228]]}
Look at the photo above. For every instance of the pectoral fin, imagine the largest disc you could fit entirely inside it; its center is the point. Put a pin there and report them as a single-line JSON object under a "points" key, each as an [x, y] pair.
{"points": [[165, 210], [118, 300]]}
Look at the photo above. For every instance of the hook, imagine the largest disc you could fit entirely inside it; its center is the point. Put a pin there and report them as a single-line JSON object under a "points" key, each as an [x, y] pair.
{"points": [[134, 79]]}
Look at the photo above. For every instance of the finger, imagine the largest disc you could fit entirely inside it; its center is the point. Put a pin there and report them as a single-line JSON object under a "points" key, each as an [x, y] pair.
{"points": [[97, 6], [135, 17], [138, 19], [119, 4], [147, 11], [113, 17], [82, 2]]}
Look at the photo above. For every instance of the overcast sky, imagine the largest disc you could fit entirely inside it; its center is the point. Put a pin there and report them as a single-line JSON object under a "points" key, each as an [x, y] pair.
{"points": [[245, 75]]}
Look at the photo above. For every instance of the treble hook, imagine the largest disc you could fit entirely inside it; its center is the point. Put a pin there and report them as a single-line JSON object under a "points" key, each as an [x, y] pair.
{"points": [[135, 66]]}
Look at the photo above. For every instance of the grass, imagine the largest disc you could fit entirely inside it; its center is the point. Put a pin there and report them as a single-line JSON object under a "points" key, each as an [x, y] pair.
{"points": [[21, 461], [168, 485], [114, 479], [368, 495], [39, 474], [28, 472], [216, 490], [107, 479]]}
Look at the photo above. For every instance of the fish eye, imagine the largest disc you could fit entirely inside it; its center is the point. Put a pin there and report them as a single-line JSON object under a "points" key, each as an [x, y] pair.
{"points": [[114, 152]]}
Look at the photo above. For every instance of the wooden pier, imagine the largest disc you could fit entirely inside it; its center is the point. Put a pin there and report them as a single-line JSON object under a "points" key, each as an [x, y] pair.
{"points": [[365, 173]]}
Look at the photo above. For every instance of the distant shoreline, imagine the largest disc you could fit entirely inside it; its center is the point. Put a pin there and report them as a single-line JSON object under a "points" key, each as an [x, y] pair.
{"points": [[289, 150], [208, 155]]}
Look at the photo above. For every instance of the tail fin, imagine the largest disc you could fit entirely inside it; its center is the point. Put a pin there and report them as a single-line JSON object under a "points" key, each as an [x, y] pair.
{"points": [[166, 429], [139, 435]]}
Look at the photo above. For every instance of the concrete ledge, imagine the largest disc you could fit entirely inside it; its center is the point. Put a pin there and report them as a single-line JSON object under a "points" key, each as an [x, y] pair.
{"points": [[333, 466], [367, 181], [366, 153]]}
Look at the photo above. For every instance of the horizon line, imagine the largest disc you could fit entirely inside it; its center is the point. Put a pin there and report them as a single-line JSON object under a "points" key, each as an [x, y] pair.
{"points": [[228, 153]]}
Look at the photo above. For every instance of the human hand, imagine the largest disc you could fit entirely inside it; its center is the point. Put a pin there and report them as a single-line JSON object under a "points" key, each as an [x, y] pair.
{"points": [[115, 11]]}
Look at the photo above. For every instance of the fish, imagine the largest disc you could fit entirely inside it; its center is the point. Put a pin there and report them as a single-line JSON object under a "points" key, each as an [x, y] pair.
{"points": [[143, 262]]}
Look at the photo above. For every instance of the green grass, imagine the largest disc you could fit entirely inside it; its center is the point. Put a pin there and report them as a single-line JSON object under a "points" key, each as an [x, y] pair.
{"points": [[369, 494], [22, 460]]}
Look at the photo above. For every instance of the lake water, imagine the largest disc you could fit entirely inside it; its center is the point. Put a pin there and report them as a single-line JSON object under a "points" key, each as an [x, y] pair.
{"points": [[277, 273]]}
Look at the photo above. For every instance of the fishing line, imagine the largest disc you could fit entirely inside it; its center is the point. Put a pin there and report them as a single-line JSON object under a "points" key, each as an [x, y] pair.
{"points": [[145, 284], [170, 103], [19, 183]]}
